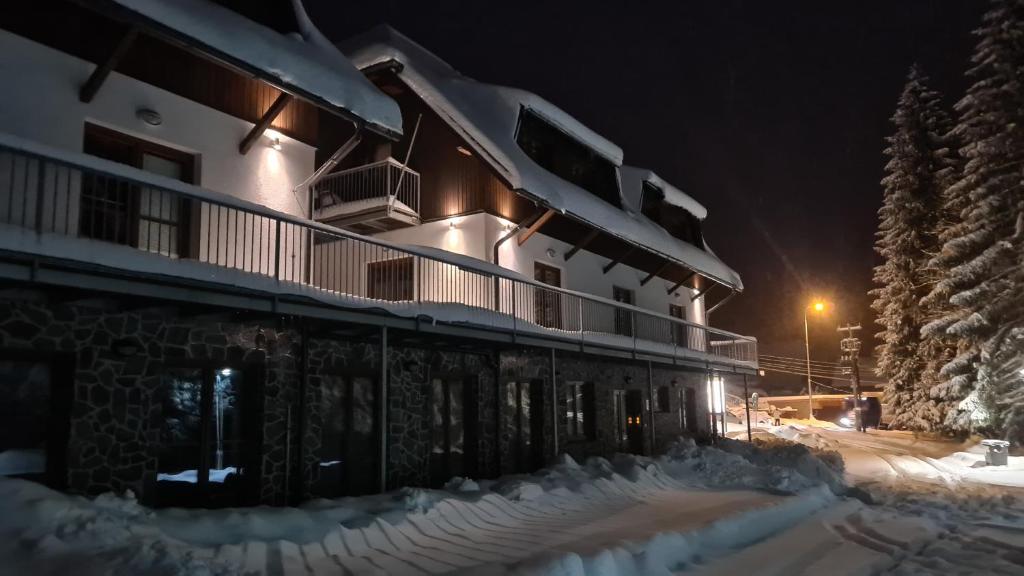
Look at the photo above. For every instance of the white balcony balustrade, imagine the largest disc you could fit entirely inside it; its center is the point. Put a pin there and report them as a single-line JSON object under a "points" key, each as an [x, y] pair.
{"points": [[84, 211], [372, 198]]}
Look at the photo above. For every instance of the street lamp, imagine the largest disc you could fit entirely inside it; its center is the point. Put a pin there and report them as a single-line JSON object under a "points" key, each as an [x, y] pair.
{"points": [[819, 307]]}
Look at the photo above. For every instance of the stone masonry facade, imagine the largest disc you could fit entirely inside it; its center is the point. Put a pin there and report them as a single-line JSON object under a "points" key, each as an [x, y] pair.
{"points": [[120, 355]]}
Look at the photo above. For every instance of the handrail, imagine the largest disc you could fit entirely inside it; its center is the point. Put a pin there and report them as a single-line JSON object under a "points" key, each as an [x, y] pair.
{"points": [[388, 161], [104, 168]]}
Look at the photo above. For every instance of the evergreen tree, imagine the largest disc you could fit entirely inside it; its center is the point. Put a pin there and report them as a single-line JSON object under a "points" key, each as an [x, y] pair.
{"points": [[982, 253], [916, 174]]}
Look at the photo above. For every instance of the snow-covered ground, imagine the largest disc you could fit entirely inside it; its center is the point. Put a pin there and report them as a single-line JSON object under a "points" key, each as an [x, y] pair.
{"points": [[776, 508]]}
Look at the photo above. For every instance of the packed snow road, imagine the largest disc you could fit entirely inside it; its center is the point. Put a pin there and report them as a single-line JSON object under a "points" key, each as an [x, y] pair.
{"points": [[934, 509], [921, 507]]}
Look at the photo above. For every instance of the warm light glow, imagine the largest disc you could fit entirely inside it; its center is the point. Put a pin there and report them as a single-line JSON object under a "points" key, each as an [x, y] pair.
{"points": [[716, 394], [276, 144], [819, 306]]}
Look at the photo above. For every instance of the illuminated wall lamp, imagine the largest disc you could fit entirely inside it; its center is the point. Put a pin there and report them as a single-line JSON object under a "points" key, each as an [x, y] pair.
{"points": [[275, 143]]}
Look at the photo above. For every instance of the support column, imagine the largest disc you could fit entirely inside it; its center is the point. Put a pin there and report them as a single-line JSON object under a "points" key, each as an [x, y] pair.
{"points": [[554, 404], [382, 392], [650, 405]]}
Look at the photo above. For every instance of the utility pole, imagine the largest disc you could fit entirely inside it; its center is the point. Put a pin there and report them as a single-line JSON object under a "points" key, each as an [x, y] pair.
{"points": [[850, 347]]}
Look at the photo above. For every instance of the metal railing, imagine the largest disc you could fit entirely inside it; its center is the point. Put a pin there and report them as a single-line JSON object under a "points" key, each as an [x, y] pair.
{"points": [[57, 193], [380, 180]]}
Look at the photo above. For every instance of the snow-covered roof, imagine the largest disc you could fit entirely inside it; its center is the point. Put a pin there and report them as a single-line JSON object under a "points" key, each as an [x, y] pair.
{"points": [[633, 179], [305, 63], [487, 116]]}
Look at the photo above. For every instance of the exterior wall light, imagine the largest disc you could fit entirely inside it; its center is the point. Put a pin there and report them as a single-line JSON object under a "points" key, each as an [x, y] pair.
{"points": [[275, 143], [463, 150], [551, 253]]}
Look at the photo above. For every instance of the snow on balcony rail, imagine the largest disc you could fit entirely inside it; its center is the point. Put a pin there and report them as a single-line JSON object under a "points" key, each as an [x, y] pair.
{"points": [[78, 207], [386, 179]]}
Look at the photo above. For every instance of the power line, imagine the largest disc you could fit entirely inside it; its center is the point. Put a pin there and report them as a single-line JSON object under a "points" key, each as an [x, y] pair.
{"points": [[798, 360]]}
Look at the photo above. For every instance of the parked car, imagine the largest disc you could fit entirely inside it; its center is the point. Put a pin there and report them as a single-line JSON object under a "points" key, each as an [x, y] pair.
{"points": [[871, 412]]}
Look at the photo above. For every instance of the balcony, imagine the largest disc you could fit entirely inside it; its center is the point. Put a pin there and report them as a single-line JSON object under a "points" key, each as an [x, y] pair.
{"points": [[75, 220], [373, 198]]}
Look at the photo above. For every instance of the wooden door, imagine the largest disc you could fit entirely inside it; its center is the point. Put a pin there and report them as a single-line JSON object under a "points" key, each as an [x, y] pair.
{"points": [[623, 318], [634, 421], [690, 411], [547, 304]]}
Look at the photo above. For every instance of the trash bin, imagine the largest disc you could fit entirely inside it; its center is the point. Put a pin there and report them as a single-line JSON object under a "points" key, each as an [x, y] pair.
{"points": [[998, 452]]}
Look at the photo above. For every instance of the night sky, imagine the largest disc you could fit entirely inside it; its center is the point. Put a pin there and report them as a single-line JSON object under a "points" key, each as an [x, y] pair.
{"points": [[771, 114]]}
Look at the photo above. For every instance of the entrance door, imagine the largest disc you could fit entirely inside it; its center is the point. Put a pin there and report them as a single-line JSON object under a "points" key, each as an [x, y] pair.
{"points": [[451, 430], [349, 442], [634, 404], [35, 410], [208, 453], [678, 330], [623, 319], [524, 401], [690, 410], [547, 304]]}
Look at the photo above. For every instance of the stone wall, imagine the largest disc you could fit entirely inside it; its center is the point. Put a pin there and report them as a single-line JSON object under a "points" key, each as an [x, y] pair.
{"points": [[120, 358]]}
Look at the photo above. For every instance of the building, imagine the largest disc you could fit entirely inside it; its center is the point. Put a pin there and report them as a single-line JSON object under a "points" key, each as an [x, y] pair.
{"points": [[236, 269]]}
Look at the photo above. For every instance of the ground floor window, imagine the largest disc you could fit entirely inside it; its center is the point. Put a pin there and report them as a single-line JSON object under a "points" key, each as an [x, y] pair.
{"points": [[523, 403], [579, 400], [206, 444], [349, 445], [34, 412], [452, 422]]}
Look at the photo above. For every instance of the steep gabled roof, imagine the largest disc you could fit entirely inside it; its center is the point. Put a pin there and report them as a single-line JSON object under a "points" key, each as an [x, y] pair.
{"points": [[487, 116], [305, 63]]}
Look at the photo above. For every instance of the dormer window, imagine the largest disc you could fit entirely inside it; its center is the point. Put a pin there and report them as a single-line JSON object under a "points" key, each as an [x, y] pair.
{"points": [[678, 221], [566, 157]]}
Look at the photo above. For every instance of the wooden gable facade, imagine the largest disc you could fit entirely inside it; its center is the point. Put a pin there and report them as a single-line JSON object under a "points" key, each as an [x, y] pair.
{"points": [[76, 30]]}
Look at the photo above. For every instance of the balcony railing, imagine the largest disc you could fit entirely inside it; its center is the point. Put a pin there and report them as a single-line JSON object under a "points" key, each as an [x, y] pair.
{"points": [[56, 197], [372, 191]]}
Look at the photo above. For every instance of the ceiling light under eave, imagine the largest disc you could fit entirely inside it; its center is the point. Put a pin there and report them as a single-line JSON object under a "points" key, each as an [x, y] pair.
{"points": [[463, 150]]}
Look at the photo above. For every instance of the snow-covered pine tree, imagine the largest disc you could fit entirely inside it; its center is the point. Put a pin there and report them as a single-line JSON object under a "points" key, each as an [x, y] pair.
{"points": [[983, 253], [916, 174]]}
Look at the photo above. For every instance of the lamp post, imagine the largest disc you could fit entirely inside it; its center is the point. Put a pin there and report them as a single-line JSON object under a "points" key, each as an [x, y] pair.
{"points": [[817, 306]]}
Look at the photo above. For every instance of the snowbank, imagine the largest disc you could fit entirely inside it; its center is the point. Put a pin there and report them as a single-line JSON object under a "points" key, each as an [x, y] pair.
{"points": [[45, 532]]}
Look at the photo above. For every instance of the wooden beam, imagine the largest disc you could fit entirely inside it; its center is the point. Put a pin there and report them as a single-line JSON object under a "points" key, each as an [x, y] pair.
{"points": [[535, 226], [99, 75], [655, 273], [681, 282], [264, 123], [582, 243], [615, 262]]}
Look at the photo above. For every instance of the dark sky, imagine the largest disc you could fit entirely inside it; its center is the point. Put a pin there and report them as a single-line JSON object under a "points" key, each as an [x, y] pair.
{"points": [[772, 114]]}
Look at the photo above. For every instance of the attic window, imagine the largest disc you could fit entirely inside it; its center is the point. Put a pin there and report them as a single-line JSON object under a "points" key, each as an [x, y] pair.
{"points": [[568, 158], [678, 221]]}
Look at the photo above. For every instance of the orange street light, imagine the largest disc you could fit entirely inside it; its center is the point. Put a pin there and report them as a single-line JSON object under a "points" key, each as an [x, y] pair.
{"points": [[817, 305]]}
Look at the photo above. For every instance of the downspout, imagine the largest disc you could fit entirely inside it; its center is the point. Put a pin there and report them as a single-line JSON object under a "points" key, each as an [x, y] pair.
{"points": [[719, 304], [316, 176], [326, 167], [496, 260]]}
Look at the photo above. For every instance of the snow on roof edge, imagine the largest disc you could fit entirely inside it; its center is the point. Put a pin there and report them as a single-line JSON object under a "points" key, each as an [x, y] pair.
{"points": [[309, 64], [467, 106]]}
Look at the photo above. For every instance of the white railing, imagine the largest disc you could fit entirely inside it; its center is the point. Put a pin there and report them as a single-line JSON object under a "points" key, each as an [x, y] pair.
{"points": [[386, 180], [58, 193]]}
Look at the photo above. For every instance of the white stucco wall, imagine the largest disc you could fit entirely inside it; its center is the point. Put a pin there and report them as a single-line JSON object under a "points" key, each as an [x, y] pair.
{"points": [[474, 235], [40, 102]]}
